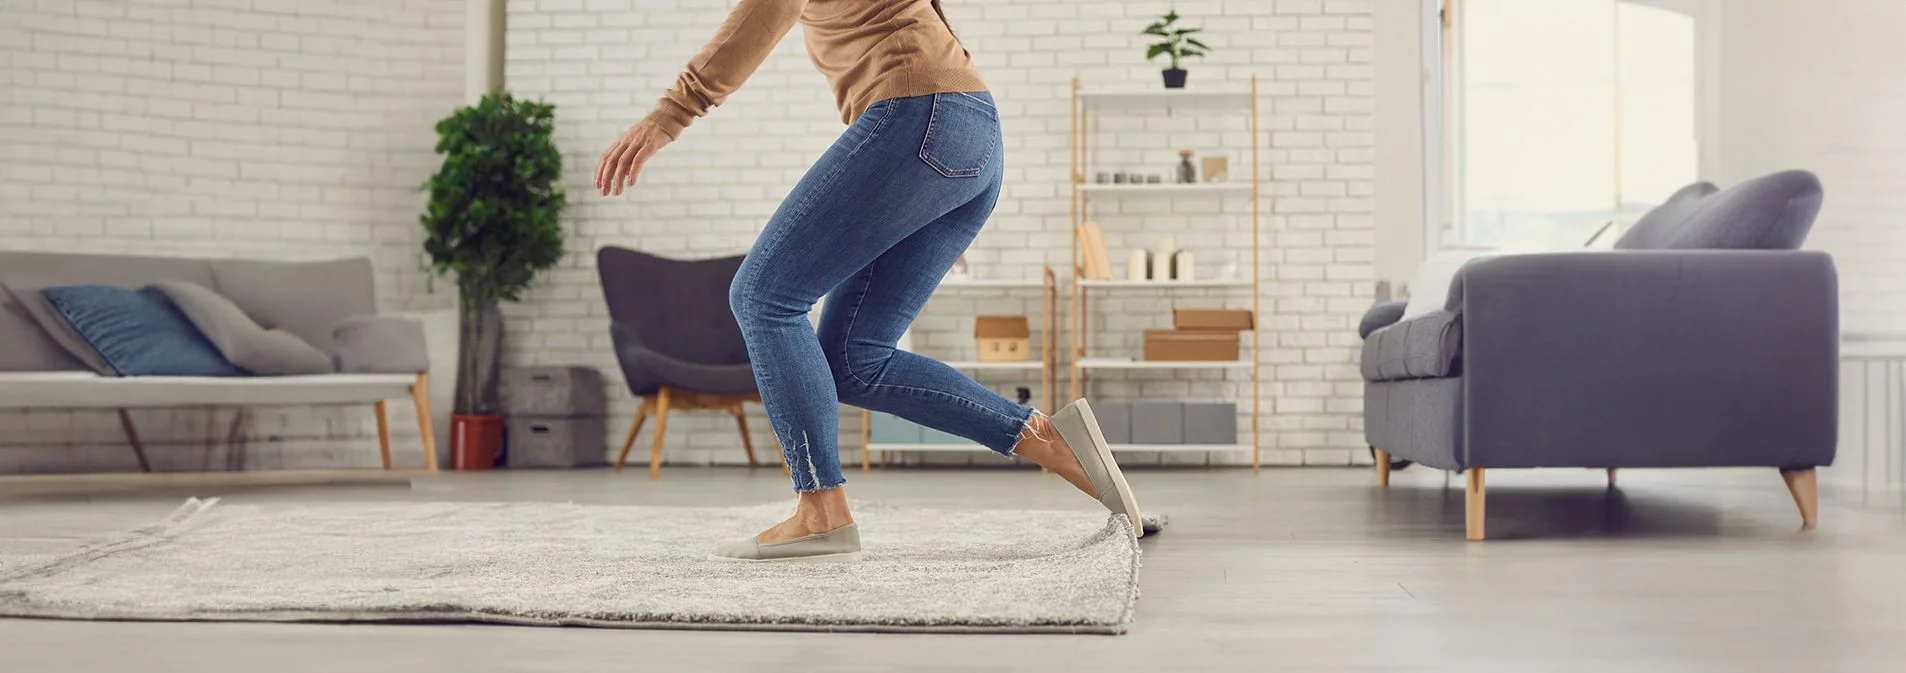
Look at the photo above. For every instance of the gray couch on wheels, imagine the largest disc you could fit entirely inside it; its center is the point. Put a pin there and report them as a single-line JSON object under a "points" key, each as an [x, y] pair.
{"points": [[1706, 339]]}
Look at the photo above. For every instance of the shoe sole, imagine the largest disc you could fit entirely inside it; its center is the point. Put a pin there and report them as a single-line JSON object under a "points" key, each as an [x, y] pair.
{"points": [[1102, 452], [848, 557]]}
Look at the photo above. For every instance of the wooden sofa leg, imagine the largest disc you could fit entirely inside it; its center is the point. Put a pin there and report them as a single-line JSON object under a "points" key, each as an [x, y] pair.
{"points": [[641, 416], [661, 431], [1383, 468], [741, 422], [420, 397], [132, 437], [1473, 496], [1805, 485], [383, 433]]}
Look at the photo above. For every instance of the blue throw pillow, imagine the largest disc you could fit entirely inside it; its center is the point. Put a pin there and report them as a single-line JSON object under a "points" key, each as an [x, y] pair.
{"points": [[139, 332]]}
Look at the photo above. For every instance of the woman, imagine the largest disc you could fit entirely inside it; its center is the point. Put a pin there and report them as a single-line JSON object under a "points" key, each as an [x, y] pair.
{"points": [[874, 226]]}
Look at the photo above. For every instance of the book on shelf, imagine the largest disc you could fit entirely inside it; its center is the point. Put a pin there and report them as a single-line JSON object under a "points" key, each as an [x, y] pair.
{"points": [[1098, 261]]}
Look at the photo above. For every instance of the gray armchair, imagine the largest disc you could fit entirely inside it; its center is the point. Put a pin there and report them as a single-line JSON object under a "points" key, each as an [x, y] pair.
{"points": [[676, 340], [1706, 339]]}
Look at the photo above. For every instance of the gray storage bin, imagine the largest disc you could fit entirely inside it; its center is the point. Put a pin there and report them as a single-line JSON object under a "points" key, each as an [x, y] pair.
{"points": [[1115, 420], [890, 429], [1158, 423], [553, 392], [1211, 423], [557, 442]]}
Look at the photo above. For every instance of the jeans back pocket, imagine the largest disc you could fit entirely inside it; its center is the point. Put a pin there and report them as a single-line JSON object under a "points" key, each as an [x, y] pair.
{"points": [[962, 134]]}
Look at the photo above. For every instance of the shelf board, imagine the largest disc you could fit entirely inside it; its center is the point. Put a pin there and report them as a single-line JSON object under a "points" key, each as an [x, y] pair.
{"points": [[1032, 283], [1126, 363], [1167, 188], [975, 364], [1181, 447], [1164, 284], [887, 446], [1211, 98]]}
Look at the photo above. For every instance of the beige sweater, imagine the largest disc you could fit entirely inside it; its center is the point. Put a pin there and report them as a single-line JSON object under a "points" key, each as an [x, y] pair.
{"points": [[870, 50]]}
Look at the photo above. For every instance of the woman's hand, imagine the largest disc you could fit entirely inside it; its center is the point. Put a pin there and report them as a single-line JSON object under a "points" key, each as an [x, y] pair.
{"points": [[625, 158]]}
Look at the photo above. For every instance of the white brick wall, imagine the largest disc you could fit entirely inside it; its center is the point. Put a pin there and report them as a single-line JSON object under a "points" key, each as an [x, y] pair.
{"points": [[254, 128], [604, 62]]}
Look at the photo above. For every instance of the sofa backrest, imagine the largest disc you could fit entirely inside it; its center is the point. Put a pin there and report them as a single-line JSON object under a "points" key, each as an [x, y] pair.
{"points": [[306, 299], [1771, 212]]}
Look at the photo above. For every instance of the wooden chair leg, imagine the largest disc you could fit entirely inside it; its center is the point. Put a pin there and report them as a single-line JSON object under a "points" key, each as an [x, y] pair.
{"points": [[420, 394], [1805, 485], [132, 437], [383, 433], [741, 422], [1383, 468], [1611, 477], [661, 432], [1473, 497], [785, 472], [641, 416]]}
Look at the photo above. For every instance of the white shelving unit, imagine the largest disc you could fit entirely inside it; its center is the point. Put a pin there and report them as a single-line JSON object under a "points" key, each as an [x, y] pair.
{"points": [[1089, 102], [1128, 363], [1163, 188], [1047, 365], [1163, 284]]}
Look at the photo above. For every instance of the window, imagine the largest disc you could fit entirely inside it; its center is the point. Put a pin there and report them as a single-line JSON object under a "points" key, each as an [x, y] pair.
{"points": [[1565, 115]]}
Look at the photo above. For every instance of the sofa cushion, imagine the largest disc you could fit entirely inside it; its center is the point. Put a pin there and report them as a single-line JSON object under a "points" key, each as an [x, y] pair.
{"points": [[240, 339], [139, 332], [40, 339], [1382, 315], [307, 299], [1772, 212], [1418, 348], [1660, 224], [380, 345]]}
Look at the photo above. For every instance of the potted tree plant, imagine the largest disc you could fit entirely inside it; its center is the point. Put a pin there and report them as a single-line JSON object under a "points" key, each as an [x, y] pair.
{"points": [[1177, 44], [491, 223]]}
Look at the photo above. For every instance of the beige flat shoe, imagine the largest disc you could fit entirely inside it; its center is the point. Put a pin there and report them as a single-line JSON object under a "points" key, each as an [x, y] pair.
{"points": [[841, 545]]}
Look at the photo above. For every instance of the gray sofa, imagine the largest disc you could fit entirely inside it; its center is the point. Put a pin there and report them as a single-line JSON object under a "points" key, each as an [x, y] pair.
{"points": [[328, 306], [1706, 339]]}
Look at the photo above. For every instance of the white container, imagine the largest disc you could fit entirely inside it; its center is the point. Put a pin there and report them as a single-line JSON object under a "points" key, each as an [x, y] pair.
{"points": [[1137, 265], [1181, 266], [1161, 258]]}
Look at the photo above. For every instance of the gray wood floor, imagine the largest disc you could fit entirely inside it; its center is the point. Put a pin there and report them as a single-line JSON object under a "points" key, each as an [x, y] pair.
{"points": [[1303, 570]]}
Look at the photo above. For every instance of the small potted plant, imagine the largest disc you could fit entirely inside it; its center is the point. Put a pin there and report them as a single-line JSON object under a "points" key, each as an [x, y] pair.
{"points": [[492, 223], [1177, 44]]}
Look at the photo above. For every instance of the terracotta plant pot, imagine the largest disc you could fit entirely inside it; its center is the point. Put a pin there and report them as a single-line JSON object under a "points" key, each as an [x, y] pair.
{"points": [[474, 440], [1175, 78]]}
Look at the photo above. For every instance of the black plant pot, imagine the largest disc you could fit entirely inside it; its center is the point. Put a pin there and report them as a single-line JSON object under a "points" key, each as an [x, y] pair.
{"points": [[1175, 78]]}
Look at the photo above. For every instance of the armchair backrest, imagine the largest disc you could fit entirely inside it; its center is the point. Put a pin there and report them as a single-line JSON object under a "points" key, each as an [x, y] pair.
{"points": [[678, 308]]}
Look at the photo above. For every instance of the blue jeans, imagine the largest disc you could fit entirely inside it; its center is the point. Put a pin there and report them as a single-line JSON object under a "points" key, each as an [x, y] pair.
{"points": [[874, 226]]}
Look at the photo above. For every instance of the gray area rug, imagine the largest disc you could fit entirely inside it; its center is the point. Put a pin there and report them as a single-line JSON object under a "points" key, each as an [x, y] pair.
{"points": [[554, 564]]}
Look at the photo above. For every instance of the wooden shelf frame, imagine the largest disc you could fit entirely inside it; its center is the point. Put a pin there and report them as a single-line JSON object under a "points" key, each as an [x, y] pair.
{"points": [[1084, 104]]}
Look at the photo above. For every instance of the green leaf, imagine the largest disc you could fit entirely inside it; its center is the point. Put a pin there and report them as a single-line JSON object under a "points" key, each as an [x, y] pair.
{"points": [[1171, 15], [1196, 43], [1155, 29], [1156, 50]]}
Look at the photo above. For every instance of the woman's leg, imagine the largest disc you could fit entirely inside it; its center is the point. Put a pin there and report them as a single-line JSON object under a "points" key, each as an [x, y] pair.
{"points": [[873, 189], [864, 320]]}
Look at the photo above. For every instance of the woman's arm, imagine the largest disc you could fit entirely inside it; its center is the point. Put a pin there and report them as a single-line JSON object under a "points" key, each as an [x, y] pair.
{"points": [[739, 46]]}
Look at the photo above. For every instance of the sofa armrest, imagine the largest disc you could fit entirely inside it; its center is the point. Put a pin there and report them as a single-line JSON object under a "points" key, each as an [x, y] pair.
{"points": [[380, 345], [1650, 359], [1382, 315]]}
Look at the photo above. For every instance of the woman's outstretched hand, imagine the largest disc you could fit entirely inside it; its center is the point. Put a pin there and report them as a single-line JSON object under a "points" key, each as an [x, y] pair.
{"points": [[625, 158]]}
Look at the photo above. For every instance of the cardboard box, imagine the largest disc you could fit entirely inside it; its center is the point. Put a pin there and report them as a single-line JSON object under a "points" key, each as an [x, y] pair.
{"points": [[1003, 338], [1236, 320], [1196, 345]]}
